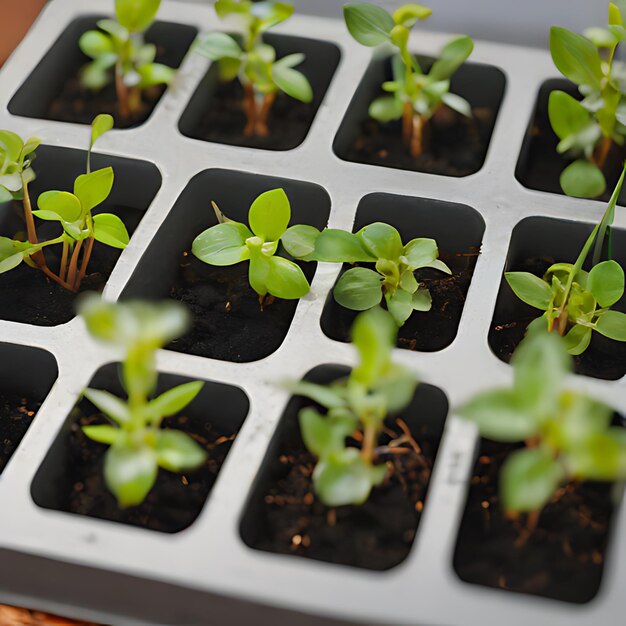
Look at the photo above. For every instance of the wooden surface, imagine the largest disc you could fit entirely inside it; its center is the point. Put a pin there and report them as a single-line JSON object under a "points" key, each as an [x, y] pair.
{"points": [[16, 16], [12, 616]]}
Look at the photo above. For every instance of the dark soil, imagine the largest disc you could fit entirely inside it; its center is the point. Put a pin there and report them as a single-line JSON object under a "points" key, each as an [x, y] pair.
{"points": [[541, 166], [377, 535], [31, 297], [224, 121], [604, 358], [563, 558], [228, 322], [16, 415], [79, 105], [454, 145], [423, 331], [176, 499]]}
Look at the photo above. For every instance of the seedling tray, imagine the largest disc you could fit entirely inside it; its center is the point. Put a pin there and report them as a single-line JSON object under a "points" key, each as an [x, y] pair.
{"points": [[207, 574]]}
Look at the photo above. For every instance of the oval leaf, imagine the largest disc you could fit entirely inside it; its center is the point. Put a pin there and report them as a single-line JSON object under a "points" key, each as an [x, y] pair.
{"points": [[358, 289], [606, 283], [270, 214], [178, 452], [285, 279], [369, 24], [130, 473], [530, 289], [612, 324], [582, 179], [223, 244]]}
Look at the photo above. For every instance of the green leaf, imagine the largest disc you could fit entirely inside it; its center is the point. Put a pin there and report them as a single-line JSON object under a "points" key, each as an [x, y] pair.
{"points": [[110, 405], [136, 15], [340, 246], [615, 15], [567, 115], [178, 452], [451, 57], [110, 230], [103, 434], [285, 279], [529, 479], [11, 144], [224, 8], [299, 241], [576, 57], [271, 13], [344, 478], [530, 289], [400, 305], [386, 109], [501, 416], [130, 473], [94, 188], [11, 262], [95, 75], [422, 300], [217, 46], [582, 179], [374, 335], [382, 240], [292, 82], [223, 244], [599, 456], [369, 24], [324, 435], [155, 74], [101, 124], [458, 104], [612, 324], [270, 214], [62, 203], [606, 283], [173, 400], [409, 14], [577, 339], [600, 37], [328, 397], [420, 252], [94, 44], [358, 289], [115, 29]]}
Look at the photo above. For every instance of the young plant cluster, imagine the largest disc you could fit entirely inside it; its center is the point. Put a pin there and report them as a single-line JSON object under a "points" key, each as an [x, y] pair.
{"points": [[588, 128], [568, 435], [79, 228], [415, 94], [120, 55], [138, 446], [357, 405], [577, 302], [254, 62], [359, 289]]}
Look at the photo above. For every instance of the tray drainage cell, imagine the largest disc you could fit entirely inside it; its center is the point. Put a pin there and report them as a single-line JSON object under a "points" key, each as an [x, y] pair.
{"points": [[283, 516], [215, 111], [539, 165], [70, 478], [41, 301], [563, 558], [21, 394], [459, 248], [53, 90], [457, 146], [537, 243], [228, 322]]}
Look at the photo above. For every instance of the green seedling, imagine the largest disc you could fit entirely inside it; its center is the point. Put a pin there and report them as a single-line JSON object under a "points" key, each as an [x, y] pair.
{"points": [[414, 95], [577, 302], [231, 242], [588, 129], [254, 62], [120, 54], [568, 435], [73, 211], [138, 444], [393, 278], [375, 389]]}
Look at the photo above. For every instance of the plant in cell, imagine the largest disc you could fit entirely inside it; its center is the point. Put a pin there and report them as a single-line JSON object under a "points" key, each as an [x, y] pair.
{"points": [[229, 242], [121, 55], [73, 211], [138, 445], [361, 288], [568, 435], [587, 129], [414, 95], [377, 388], [254, 62], [576, 302]]}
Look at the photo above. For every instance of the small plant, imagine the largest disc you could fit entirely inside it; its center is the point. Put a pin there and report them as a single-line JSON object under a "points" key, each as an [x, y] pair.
{"points": [[361, 288], [415, 95], [138, 444], [376, 388], [231, 242], [577, 302], [79, 228], [120, 54], [254, 63], [568, 435], [588, 129]]}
